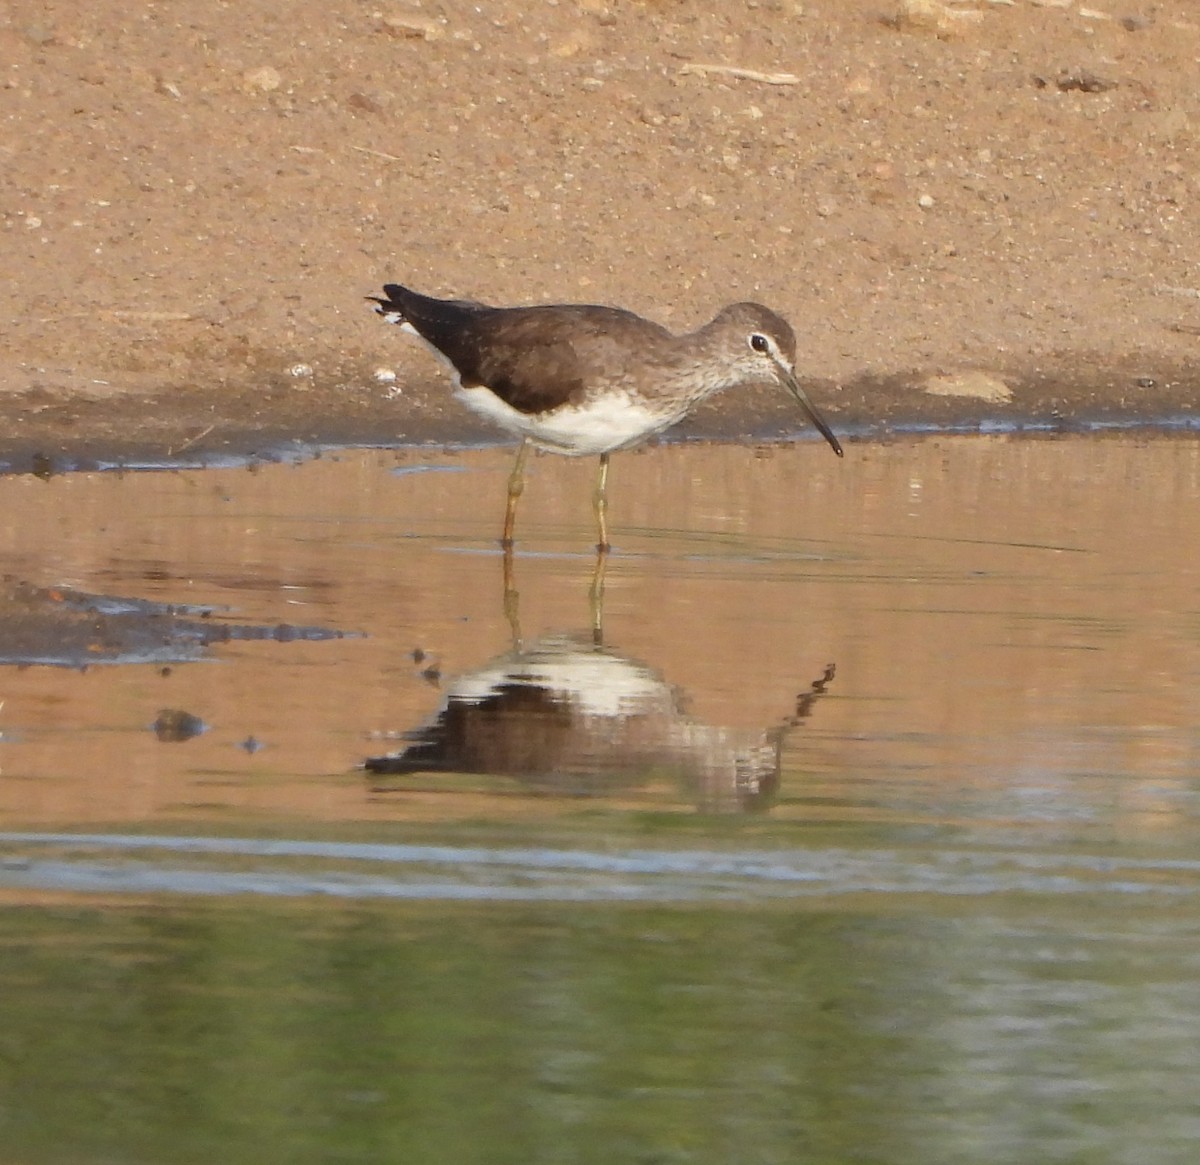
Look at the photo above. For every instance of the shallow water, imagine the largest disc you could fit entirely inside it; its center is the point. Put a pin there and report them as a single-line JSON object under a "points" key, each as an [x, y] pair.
{"points": [[867, 832]]}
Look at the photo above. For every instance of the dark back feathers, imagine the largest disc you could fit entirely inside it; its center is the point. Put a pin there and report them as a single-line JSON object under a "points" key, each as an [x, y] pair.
{"points": [[532, 358]]}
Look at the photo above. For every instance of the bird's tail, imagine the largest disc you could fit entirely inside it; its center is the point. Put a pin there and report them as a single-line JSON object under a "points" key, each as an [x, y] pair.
{"points": [[391, 304]]}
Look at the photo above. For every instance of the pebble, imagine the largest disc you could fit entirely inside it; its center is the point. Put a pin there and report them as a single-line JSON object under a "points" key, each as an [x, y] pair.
{"points": [[413, 27], [976, 384], [933, 16], [173, 726], [926, 202], [264, 79]]}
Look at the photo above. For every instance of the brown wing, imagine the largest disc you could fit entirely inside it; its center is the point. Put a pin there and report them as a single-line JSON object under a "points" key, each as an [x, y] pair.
{"points": [[538, 358], [532, 358]]}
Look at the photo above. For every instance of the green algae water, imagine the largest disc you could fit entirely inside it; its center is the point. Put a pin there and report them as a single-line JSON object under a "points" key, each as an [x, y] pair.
{"points": [[976, 1030]]}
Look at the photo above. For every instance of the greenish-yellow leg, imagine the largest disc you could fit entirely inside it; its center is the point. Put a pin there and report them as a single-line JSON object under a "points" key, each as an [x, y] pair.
{"points": [[600, 505], [516, 486], [596, 596], [512, 600]]}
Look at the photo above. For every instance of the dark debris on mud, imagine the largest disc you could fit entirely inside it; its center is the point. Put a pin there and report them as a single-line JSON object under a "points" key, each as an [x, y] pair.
{"points": [[61, 627]]}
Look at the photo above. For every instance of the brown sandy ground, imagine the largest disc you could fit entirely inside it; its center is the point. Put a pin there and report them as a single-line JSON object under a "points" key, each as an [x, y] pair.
{"points": [[195, 195]]}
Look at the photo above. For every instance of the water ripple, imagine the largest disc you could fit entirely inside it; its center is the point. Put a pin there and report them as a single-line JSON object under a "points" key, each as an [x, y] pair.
{"points": [[512, 874]]}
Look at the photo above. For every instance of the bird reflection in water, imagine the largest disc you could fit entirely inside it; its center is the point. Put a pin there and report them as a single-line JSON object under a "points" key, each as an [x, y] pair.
{"points": [[570, 717]]}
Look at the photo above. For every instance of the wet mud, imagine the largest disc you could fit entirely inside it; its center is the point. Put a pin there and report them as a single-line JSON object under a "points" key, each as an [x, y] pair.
{"points": [[282, 419], [65, 628]]}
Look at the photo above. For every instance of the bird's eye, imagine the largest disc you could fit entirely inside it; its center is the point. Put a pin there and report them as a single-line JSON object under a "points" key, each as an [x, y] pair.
{"points": [[760, 343]]}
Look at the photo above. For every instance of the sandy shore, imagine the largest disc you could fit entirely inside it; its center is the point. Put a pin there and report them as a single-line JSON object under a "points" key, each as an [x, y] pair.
{"points": [[971, 212]]}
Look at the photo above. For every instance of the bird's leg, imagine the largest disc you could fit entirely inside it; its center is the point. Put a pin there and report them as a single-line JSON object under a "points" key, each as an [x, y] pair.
{"points": [[596, 597], [596, 591], [512, 600], [600, 504], [516, 486]]}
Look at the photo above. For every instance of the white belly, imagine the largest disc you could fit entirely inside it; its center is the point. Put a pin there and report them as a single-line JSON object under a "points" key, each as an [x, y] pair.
{"points": [[600, 426]]}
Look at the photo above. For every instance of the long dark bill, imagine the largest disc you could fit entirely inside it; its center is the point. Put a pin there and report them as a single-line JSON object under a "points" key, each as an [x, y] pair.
{"points": [[793, 386]]}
